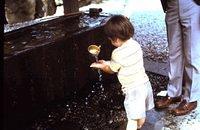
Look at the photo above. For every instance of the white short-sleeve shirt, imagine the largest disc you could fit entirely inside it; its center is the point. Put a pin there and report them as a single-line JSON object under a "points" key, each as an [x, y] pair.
{"points": [[127, 61]]}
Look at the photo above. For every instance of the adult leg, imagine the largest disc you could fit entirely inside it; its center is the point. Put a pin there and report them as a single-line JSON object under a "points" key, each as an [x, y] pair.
{"points": [[190, 20], [175, 49], [176, 61]]}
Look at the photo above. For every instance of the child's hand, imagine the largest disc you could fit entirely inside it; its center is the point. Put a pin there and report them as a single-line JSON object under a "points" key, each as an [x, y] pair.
{"points": [[96, 65], [102, 61], [100, 64], [103, 65]]}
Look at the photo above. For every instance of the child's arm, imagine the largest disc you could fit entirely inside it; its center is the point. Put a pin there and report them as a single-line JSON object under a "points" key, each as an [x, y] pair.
{"points": [[103, 65]]}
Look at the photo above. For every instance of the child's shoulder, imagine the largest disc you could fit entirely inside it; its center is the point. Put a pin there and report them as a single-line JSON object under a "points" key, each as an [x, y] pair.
{"points": [[133, 43], [128, 47]]}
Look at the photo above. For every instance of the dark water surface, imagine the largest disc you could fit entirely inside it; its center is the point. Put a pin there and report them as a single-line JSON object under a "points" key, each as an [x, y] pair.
{"points": [[39, 34], [91, 109]]}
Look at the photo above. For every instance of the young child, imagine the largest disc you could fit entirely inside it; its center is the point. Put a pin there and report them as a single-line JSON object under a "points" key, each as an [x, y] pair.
{"points": [[127, 62]]}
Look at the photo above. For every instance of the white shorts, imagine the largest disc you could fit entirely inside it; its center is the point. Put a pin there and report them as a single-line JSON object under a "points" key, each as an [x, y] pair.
{"points": [[138, 99]]}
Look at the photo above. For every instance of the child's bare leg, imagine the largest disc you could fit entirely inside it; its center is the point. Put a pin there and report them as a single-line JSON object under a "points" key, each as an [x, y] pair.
{"points": [[131, 125], [140, 123]]}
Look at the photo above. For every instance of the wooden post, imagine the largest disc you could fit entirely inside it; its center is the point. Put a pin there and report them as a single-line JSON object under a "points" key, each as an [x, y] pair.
{"points": [[70, 6]]}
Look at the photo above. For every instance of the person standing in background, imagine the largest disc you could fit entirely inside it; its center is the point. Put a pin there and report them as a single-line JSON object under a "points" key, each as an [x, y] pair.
{"points": [[183, 33]]}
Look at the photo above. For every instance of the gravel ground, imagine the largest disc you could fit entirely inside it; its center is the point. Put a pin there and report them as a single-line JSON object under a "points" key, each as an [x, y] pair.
{"points": [[150, 32]]}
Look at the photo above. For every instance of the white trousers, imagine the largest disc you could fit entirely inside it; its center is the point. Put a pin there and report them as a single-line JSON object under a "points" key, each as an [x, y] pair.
{"points": [[183, 31]]}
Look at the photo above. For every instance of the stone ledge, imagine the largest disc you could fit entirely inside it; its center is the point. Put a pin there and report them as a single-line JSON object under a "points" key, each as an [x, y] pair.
{"points": [[160, 68]]}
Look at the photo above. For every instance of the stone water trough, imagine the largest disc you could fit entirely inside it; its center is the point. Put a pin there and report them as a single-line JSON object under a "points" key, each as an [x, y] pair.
{"points": [[48, 84]]}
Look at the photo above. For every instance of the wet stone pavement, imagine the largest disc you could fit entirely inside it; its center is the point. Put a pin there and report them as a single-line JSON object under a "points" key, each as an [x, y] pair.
{"points": [[163, 120]]}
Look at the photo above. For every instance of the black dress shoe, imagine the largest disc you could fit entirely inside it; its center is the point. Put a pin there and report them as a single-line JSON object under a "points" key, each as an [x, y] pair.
{"points": [[166, 101], [184, 108]]}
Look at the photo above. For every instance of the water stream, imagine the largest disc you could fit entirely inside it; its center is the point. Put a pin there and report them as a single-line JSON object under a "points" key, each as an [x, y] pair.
{"points": [[98, 70]]}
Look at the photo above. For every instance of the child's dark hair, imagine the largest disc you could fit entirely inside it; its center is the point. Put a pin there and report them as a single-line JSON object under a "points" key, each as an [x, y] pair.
{"points": [[119, 26]]}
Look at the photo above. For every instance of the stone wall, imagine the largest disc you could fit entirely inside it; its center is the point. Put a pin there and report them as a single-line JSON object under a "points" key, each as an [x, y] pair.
{"points": [[24, 10], [19, 10]]}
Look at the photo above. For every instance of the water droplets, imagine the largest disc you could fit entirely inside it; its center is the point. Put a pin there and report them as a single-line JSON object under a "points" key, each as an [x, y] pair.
{"points": [[85, 128], [110, 121]]}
